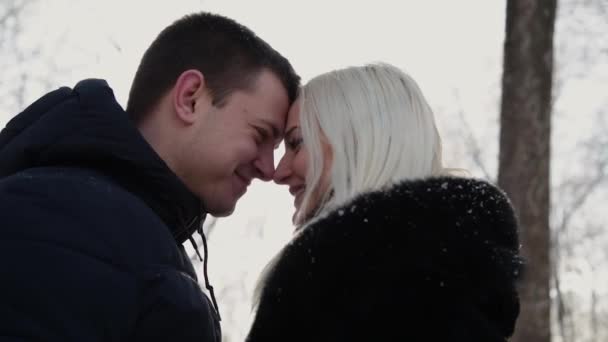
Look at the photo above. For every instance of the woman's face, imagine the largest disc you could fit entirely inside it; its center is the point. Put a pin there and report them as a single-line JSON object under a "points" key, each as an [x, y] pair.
{"points": [[293, 166]]}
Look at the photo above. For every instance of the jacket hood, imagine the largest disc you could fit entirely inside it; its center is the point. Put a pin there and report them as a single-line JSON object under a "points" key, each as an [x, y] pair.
{"points": [[85, 127]]}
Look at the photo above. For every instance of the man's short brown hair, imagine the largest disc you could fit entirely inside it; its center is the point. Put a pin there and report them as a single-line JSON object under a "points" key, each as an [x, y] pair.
{"points": [[228, 54]]}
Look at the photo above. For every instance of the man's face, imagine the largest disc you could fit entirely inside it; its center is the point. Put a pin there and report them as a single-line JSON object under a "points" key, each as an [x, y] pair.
{"points": [[234, 144]]}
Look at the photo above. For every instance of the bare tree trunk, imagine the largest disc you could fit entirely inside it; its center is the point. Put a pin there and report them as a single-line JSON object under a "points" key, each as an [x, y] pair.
{"points": [[524, 157], [594, 318]]}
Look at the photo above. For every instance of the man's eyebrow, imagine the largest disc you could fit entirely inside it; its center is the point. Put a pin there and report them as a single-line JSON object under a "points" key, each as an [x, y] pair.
{"points": [[276, 132]]}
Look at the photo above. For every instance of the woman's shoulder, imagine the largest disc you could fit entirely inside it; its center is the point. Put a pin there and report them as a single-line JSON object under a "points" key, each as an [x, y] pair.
{"points": [[431, 225], [435, 204], [421, 244], [437, 221]]}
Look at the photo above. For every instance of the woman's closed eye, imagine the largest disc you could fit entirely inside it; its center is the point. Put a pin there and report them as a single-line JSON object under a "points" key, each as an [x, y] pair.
{"points": [[293, 143]]}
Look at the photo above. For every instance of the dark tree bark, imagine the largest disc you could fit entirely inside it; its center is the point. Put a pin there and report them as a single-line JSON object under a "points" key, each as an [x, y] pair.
{"points": [[524, 157]]}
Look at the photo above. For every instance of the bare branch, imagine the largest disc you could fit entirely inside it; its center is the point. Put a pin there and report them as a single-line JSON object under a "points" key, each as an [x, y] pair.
{"points": [[471, 140], [562, 311], [14, 9], [198, 240], [580, 199]]}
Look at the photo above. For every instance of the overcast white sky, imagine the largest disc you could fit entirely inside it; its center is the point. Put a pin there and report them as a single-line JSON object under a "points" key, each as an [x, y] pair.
{"points": [[449, 47]]}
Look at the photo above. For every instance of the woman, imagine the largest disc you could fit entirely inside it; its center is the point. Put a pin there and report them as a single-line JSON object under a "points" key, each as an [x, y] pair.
{"points": [[388, 245]]}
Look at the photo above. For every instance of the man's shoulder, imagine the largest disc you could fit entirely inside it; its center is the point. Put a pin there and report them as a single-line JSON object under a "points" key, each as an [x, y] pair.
{"points": [[59, 183], [74, 197]]}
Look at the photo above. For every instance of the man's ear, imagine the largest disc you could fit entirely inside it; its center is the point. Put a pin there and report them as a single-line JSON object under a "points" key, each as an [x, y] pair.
{"points": [[190, 92]]}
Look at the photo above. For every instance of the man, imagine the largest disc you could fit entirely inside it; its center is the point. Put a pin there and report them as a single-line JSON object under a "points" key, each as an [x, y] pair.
{"points": [[95, 202]]}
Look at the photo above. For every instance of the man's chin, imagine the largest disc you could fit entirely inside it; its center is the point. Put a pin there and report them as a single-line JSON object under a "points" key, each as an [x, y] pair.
{"points": [[221, 211]]}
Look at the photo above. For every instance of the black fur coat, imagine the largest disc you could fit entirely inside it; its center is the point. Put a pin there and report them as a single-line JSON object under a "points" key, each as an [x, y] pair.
{"points": [[425, 260]]}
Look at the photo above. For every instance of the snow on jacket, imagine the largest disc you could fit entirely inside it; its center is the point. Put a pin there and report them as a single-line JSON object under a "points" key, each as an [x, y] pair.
{"points": [[426, 260]]}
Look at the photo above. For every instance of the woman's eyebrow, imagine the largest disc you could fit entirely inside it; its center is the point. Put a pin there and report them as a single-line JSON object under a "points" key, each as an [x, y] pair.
{"points": [[289, 131]]}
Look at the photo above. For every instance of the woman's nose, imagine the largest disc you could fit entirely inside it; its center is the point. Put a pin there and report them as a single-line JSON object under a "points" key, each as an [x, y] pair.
{"points": [[283, 170]]}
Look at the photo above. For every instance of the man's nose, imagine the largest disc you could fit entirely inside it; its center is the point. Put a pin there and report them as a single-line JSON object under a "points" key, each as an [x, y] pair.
{"points": [[265, 166]]}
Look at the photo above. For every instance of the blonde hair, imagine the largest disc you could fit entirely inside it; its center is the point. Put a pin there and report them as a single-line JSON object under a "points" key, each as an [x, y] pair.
{"points": [[381, 130], [379, 126]]}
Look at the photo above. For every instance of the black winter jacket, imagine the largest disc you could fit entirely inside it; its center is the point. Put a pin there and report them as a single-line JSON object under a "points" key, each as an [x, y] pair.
{"points": [[92, 223], [426, 260]]}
